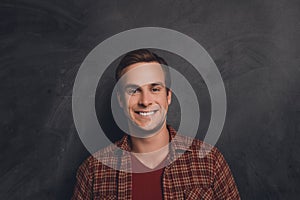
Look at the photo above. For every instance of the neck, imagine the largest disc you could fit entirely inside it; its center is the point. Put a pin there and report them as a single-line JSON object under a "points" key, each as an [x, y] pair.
{"points": [[152, 143]]}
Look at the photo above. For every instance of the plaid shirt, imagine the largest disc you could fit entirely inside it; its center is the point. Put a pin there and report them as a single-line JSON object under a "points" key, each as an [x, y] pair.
{"points": [[199, 172]]}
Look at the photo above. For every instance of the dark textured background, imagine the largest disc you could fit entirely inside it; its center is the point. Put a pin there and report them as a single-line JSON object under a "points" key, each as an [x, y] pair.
{"points": [[255, 45]]}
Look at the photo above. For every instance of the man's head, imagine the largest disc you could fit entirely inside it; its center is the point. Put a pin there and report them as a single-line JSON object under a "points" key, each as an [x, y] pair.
{"points": [[142, 90], [143, 56]]}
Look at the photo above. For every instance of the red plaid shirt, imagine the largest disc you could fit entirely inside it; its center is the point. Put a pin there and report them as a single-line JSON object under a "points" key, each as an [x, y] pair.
{"points": [[196, 174]]}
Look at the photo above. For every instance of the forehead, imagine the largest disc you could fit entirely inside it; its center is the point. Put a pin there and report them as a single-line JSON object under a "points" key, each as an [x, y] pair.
{"points": [[142, 74]]}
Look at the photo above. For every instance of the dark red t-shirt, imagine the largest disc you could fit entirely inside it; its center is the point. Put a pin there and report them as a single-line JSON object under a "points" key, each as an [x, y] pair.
{"points": [[147, 185]]}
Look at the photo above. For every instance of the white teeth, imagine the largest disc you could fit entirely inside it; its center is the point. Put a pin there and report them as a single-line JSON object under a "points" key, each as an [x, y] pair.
{"points": [[146, 113]]}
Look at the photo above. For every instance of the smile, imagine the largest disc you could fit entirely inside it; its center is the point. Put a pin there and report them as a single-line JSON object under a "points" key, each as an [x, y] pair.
{"points": [[146, 113]]}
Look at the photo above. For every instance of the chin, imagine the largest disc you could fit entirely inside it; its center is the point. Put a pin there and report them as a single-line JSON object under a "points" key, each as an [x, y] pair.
{"points": [[145, 131]]}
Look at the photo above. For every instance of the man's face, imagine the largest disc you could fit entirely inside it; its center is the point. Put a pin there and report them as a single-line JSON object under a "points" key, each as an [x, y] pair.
{"points": [[143, 96]]}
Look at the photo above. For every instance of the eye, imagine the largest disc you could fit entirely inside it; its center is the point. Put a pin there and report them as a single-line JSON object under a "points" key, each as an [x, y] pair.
{"points": [[132, 91], [156, 89]]}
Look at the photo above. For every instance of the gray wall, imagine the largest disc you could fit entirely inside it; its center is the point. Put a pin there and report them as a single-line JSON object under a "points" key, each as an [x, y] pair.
{"points": [[255, 45]]}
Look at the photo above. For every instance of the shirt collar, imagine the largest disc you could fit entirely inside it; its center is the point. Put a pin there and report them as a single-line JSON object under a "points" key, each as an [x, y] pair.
{"points": [[178, 142]]}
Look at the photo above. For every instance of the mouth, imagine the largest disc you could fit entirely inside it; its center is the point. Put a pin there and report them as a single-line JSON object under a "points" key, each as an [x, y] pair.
{"points": [[146, 113]]}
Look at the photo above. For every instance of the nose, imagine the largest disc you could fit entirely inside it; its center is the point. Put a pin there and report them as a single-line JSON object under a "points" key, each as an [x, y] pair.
{"points": [[145, 99]]}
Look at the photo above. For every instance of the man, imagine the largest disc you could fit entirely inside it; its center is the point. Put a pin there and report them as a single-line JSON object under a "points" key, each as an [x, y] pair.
{"points": [[152, 161]]}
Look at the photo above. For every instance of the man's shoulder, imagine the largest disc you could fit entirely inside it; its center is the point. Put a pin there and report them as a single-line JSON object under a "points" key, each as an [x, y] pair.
{"points": [[191, 144], [197, 146], [109, 151], [106, 155]]}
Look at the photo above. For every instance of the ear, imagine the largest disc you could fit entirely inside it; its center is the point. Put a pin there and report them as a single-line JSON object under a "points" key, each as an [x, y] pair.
{"points": [[119, 99], [169, 96]]}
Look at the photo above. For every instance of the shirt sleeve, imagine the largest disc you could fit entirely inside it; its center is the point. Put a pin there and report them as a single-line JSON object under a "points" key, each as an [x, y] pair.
{"points": [[224, 185], [83, 187]]}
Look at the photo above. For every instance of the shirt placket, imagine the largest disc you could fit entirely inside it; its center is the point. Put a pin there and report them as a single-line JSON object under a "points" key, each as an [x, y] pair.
{"points": [[166, 179], [125, 178]]}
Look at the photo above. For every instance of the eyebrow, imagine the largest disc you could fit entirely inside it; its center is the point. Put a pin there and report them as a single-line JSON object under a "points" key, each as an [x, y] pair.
{"points": [[158, 83], [137, 86]]}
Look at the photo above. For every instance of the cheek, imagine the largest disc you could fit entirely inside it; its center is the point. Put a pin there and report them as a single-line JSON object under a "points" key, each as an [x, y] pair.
{"points": [[130, 101], [124, 102]]}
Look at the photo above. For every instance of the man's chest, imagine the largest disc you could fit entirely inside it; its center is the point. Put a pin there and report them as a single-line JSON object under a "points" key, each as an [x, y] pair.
{"points": [[183, 179]]}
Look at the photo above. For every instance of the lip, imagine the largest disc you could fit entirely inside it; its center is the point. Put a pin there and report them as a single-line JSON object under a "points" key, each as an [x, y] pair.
{"points": [[145, 113]]}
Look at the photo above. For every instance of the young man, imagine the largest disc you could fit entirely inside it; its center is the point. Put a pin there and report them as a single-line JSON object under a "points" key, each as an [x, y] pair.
{"points": [[152, 161]]}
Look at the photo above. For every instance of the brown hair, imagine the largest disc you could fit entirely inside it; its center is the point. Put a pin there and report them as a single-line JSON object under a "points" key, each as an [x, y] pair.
{"points": [[143, 55]]}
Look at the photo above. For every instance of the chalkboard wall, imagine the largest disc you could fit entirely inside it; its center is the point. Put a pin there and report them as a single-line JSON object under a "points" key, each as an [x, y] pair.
{"points": [[255, 45]]}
